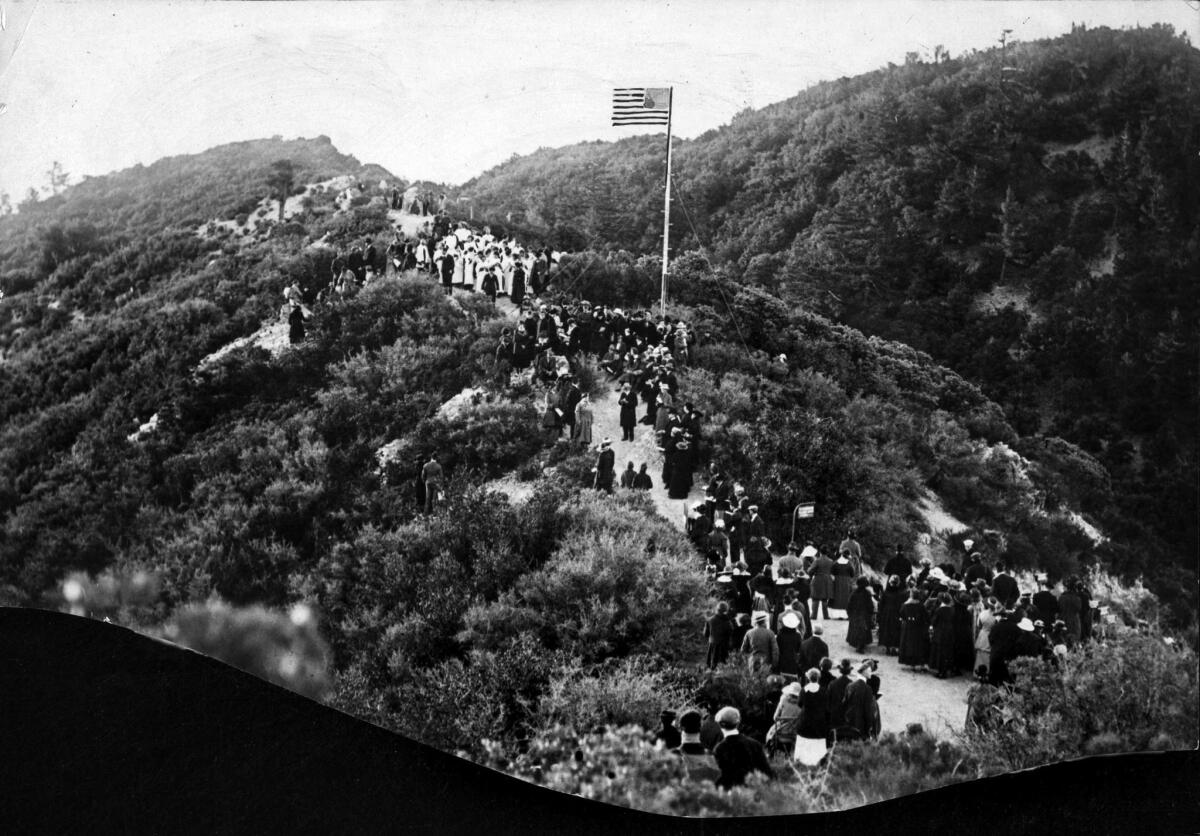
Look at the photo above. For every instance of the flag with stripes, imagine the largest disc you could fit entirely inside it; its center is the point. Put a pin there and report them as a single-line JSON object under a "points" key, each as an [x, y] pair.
{"points": [[641, 105]]}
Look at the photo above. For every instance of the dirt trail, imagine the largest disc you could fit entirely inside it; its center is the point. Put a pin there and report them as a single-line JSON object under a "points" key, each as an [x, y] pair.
{"points": [[607, 423], [907, 696]]}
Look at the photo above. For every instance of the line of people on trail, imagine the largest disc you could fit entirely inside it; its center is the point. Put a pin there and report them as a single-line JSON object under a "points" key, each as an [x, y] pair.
{"points": [[545, 347]]}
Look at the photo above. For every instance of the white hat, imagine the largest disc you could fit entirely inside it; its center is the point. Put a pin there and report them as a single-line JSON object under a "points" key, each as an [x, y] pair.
{"points": [[790, 619], [762, 616], [1026, 625]]}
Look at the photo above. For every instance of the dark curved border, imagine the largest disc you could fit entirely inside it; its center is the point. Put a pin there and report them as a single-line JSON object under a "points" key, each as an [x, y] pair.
{"points": [[106, 730]]}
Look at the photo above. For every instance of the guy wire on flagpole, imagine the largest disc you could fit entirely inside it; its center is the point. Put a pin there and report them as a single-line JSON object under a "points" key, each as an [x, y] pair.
{"points": [[662, 302]]}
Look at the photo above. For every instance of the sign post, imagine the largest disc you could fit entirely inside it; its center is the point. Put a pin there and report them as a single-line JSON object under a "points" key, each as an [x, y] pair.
{"points": [[803, 511]]}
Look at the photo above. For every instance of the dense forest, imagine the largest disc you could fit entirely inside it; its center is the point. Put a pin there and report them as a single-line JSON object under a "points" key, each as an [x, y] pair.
{"points": [[255, 511], [1026, 216]]}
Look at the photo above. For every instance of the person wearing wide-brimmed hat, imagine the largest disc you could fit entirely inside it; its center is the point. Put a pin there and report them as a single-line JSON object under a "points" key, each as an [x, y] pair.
{"points": [[789, 641], [782, 735], [860, 706], [760, 646], [837, 694]]}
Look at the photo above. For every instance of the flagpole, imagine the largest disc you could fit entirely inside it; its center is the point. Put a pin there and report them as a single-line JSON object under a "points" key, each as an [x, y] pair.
{"points": [[662, 302]]}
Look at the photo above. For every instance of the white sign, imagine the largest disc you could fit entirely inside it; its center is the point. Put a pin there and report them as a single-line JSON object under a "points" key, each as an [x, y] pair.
{"points": [[806, 510]]}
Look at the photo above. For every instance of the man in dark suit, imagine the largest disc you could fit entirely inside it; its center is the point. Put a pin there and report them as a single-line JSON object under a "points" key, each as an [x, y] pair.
{"points": [[1044, 601], [737, 755], [719, 632], [859, 706], [837, 695], [899, 566], [1004, 586], [756, 526], [814, 649], [976, 570]]}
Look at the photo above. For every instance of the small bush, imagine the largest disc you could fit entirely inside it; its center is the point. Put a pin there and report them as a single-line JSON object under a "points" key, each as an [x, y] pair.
{"points": [[621, 693]]}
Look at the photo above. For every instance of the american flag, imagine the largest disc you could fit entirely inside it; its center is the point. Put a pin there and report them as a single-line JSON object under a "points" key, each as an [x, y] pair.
{"points": [[641, 105]]}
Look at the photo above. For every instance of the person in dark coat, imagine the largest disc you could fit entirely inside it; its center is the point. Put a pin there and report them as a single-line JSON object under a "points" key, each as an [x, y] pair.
{"points": [[814, 712], [680, 484], [1004, 587], [821, 588], [668, 733], [605, 467], [814, 649], [642, 482], [419, 486], [1044, 601], [890, 603], [741, 626], [941, 648], [738, 755], [719, 632], [516, 293], [296, 325], [964, 635], [757, 556], [860, 609], [790, 644], [447, 268], [843, 582], [628, 477], [837, 695], [628, 403], [898, 565], [1088, 613], [859, 708], [976, 570], [914, 632], [1070, 610], [1002, 639]]}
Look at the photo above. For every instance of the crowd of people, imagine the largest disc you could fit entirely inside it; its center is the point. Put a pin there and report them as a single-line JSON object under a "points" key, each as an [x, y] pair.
{"points": [[939, 619], [773, 613]]}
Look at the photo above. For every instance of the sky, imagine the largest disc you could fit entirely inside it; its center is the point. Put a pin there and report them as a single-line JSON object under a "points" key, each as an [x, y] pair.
{"points": [[445, 89]]}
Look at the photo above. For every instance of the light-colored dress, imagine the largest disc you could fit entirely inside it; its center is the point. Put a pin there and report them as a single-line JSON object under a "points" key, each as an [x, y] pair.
{"points": [[583, 423]]}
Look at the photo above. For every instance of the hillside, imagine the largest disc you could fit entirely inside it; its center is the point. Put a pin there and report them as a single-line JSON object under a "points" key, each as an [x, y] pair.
{"points": [[171, 461], [1025, 218]]}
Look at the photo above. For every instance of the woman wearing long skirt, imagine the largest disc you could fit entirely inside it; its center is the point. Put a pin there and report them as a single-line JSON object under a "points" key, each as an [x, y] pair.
{"points": [[583, 422], [964, 635], [914, 632], [843, 583], [941, 648], [813, 728], [985, 620], [680, 483], [550, 421], [889, 615], [860, 609]]}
